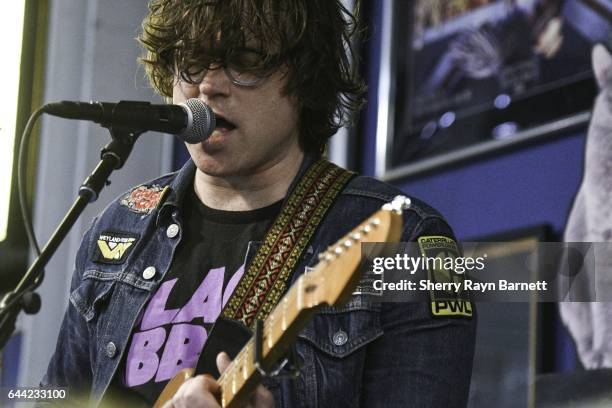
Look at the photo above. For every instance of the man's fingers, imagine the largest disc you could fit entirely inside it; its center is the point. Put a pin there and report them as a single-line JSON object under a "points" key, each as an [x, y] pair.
{"points": [[223, 361], [199, 391], [209, 383], [261, 398]]}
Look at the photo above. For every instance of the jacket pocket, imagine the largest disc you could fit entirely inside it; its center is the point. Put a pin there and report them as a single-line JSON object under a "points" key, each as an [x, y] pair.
{"points": [[90, 295], [339, 332], [332, 353]]}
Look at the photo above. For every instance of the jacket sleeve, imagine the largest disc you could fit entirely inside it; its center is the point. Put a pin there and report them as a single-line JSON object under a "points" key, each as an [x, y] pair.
{"points": [[70, 364], [421, 360]]}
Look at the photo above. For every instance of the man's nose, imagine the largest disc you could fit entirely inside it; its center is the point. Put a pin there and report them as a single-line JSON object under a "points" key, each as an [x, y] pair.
{"points": [[215, 82]]}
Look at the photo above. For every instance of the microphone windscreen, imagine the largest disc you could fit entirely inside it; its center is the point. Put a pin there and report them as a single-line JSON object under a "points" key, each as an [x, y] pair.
{"points": [[201, 121]]}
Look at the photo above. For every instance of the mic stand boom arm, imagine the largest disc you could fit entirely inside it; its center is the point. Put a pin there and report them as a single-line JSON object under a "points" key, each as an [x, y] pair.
{"points": [[113, 156]]}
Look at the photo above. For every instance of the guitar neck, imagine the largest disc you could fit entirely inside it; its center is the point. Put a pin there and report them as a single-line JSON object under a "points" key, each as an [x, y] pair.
{"points": [[279, 330]]}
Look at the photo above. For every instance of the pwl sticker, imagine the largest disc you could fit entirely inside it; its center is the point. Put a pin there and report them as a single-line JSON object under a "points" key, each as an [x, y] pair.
{"points": [[144, 199], [442, 251], [114, 247]]}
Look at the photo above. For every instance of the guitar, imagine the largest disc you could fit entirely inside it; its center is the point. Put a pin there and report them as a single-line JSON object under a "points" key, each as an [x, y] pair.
{"points": [[331, 282]]}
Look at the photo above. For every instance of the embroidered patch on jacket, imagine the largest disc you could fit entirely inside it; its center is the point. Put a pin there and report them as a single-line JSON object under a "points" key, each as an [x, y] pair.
{"points": [[144, 199], [451, 301], [113, 247]]}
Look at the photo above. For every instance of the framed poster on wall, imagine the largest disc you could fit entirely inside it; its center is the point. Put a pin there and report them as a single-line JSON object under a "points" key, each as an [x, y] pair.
{"points": [[464, 78]]}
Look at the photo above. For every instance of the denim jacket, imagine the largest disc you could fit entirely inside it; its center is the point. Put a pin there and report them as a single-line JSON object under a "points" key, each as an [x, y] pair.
{"points": [[365, 353]]}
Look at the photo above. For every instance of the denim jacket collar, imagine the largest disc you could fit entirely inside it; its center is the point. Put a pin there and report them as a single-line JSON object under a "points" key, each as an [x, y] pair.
{"points": [[178, 188], [185, 177]]}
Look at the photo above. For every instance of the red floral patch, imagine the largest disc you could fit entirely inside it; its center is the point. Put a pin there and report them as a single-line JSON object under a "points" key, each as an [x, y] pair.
{"points": [[143, 199]]}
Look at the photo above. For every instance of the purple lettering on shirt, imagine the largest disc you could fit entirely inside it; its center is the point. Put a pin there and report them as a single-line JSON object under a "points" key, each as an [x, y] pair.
{"points": [[206, 300], [156, 314], [185, 341], [182, 350], [142, 360]]}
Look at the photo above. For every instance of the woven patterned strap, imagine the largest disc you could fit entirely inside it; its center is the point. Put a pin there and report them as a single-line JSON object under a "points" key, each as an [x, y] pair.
{"points": [[266, 278]]}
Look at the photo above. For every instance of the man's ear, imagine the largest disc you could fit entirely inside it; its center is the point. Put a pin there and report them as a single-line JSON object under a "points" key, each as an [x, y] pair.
{"points": [[602, 65]]}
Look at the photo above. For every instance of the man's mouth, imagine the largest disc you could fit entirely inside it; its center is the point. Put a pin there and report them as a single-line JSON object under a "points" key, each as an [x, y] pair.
{"points": [[223, 124]]}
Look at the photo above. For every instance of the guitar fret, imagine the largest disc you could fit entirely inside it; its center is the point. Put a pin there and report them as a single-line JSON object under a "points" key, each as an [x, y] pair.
{"points": [[250, 365], [293, 303], [245, 368], [268, 338], [238, 370], [234, 388], [294, 295], [270, 326], [300, 293], [247, 354], [284, 319]]}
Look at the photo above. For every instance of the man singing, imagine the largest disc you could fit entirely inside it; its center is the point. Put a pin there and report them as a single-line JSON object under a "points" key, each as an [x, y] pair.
{"points": [[165, 261]]}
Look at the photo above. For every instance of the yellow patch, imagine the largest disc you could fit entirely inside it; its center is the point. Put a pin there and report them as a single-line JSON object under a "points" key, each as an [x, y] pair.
{"points": [[444, 303], [451, 308], [113, 247], [113, 250]]}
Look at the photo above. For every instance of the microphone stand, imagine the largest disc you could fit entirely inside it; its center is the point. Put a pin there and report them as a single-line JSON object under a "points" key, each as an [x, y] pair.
{"points": [[113, 156]]}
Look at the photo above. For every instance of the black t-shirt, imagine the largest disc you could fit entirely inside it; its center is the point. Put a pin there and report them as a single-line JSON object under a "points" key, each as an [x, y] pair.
{"points": [[208, 263]]}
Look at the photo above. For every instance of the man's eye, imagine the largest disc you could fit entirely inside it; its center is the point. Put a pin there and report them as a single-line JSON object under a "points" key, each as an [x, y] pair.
{"points": [[246, 60], [193, 75]]}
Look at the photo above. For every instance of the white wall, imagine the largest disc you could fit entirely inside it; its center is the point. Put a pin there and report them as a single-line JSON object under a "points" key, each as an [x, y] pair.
{"points": [[338, 148], [91, 55]]}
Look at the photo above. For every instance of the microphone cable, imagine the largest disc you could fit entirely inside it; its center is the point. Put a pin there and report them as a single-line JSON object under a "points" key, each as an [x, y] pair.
{"points": [[21, 177]]}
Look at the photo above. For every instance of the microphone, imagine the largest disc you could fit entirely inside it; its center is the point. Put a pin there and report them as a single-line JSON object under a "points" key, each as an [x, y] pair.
{"points": [[192, 121]]}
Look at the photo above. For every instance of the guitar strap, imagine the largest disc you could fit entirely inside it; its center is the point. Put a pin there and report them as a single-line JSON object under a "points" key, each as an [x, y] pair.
{"points": [[266, 277]]}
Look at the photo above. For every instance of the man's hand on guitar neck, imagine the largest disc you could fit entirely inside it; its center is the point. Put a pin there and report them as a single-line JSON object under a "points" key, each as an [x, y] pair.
{"points": [[204, 391]]}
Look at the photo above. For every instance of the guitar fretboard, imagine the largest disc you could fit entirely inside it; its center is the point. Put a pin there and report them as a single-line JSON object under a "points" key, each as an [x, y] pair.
{"points": [[279, 329]]}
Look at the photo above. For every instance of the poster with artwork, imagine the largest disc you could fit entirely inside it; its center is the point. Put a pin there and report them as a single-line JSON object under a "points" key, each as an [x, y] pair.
{"points": [[467, 72]]}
